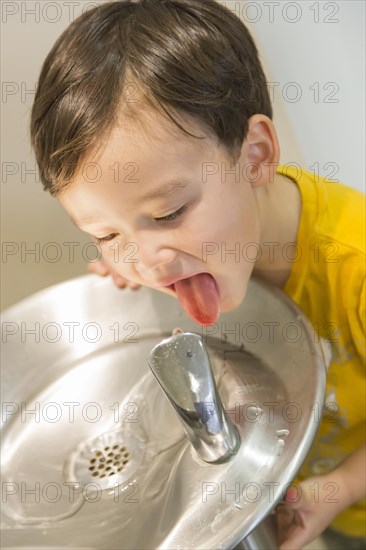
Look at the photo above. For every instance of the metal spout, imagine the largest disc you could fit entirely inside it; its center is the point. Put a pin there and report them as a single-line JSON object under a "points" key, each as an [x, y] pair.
{"points": [[182, 367]]}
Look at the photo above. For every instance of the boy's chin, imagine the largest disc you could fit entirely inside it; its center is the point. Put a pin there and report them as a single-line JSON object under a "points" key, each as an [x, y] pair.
{"points": [[232, 300]]}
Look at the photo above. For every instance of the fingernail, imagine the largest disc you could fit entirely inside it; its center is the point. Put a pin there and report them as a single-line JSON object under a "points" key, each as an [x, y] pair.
{"points": [[291, 495]]}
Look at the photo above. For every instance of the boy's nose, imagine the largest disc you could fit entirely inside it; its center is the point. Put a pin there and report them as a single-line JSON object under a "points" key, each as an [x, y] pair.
{"points": [[150, 261]]}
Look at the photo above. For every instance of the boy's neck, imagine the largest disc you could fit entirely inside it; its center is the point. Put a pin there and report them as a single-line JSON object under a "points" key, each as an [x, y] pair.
{"points": [[279, 205]]}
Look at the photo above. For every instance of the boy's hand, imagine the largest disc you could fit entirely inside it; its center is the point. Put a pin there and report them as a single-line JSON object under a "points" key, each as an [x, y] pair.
{"points": [[310, 507], [102, 268], [318, 500]]}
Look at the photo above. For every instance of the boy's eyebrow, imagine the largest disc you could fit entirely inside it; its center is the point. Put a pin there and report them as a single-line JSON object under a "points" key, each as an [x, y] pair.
{"points": [[165, 190], [84, 221]]}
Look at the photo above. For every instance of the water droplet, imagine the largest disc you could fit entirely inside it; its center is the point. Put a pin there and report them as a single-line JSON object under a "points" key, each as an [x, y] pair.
{"points": [[282, 433], [254, 410], [279, 447]]}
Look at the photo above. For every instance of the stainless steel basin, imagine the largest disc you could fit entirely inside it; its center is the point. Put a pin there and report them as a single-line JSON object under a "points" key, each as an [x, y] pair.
{"points": [[93, 453]]}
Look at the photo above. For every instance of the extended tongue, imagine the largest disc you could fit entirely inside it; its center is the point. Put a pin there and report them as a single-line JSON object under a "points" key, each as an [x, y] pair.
{"points": [[199, 297]]}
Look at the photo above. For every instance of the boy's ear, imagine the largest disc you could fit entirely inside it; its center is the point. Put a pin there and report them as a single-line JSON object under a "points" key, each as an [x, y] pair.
{"points": [[260, 151]]}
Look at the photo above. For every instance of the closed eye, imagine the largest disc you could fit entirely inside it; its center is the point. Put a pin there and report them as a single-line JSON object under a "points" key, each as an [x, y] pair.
{"points": [[101, 240], [173, 216], [169, 218]]}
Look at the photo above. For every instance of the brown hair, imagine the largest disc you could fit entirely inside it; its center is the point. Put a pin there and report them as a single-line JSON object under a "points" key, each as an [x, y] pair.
{"points": [[187, 57]]}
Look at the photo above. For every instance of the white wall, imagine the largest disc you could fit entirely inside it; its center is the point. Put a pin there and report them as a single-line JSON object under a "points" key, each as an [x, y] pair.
{"points": [[314, 54], [304, 52]]}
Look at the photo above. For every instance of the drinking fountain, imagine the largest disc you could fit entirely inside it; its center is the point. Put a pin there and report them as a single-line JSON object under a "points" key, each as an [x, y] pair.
{"points": [[95, 456]]}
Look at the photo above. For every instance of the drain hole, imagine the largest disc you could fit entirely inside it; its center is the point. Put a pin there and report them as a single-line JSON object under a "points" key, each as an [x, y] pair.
{"points": [[105, 467], [111, 458]]}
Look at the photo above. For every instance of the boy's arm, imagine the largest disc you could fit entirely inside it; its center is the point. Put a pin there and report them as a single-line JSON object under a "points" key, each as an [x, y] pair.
{"points": [[350, 476], [318, 500]]}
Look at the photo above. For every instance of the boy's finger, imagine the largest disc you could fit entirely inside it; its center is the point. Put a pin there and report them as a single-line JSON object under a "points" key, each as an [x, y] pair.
{"points": [[296, 540], [119, 281], [287, 520], [134, 286], [100, 268], [296, 498]]}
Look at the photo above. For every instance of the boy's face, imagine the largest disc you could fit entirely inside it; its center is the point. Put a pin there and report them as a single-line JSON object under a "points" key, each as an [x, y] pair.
{"points": [[210, 218]]}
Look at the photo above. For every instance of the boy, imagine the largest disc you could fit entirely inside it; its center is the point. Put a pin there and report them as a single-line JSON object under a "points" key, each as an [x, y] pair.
{"points": [[152, 125]]}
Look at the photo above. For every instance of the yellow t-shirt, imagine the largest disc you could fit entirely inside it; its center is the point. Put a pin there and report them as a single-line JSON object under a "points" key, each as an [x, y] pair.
{"points": [[327, 282]]}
